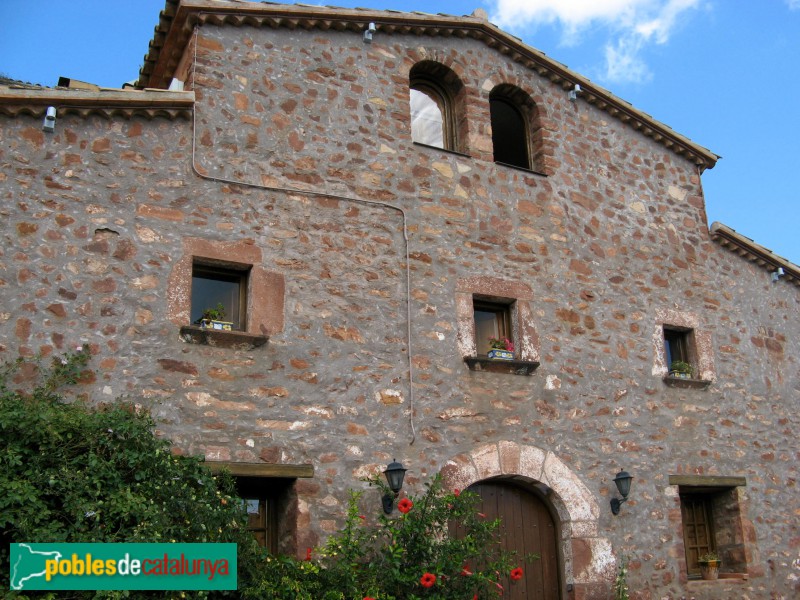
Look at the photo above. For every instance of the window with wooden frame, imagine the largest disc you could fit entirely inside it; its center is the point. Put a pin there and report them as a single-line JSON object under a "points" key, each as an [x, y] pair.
{"points": [[698, 529], [509, 133], [516, 129], [428, 110], [678, 344], [492, 321], [436, 99], [217, 285], [488, 307], [271, 510], [712, 520], [261, 498], [679, 348]]}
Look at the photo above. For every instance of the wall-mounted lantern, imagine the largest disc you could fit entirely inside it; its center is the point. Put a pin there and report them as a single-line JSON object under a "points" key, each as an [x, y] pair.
{"points": [[395, 473], [623, 483]]}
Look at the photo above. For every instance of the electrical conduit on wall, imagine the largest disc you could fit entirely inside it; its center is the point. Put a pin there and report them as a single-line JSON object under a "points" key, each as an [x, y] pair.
{"points": [[289, 190]]}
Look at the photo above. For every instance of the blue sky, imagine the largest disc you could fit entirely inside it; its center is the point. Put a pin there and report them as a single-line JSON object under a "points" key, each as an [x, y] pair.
{"points": [[725, 73]]}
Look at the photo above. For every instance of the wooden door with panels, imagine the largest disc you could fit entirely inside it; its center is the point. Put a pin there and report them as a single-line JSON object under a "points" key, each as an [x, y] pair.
{"points": [[528, 527]]}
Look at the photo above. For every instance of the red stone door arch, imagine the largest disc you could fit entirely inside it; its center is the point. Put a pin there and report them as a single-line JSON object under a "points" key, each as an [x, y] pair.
{"points": [[528, 527], [587, 561]]}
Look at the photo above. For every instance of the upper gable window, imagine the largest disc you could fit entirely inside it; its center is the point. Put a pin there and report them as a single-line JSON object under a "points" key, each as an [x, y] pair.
{"points": [[435, 99], [427, 116], [515, 127]]}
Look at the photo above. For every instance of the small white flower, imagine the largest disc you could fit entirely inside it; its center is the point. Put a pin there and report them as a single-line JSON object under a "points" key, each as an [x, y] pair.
{"points": [[90, 513], [63, 361], [79, 349]]}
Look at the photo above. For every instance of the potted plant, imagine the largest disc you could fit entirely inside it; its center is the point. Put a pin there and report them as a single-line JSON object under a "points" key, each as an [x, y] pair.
{"points": [[709, 565], [681, 369], [501, 348], [213, 318]]}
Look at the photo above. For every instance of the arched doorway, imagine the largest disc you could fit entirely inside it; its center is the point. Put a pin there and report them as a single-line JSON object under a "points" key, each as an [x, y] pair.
{"points": [[527, 527], [586, 559]]}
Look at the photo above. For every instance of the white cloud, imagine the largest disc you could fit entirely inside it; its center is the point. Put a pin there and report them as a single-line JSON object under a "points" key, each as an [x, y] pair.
{"points": [[623, 62], [630, 24], [793, 4]]}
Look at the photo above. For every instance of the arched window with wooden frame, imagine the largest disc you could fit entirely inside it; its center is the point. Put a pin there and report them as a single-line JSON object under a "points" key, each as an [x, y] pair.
{"points": [[436, 107], [516, 135]]}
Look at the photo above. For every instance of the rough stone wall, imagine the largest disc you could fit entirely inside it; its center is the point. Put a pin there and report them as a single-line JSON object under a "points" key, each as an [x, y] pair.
{"points": [[96, 216]]}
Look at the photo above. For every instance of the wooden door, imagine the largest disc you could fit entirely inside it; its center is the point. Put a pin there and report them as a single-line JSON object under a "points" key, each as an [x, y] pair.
{"points": [[527, 527]]}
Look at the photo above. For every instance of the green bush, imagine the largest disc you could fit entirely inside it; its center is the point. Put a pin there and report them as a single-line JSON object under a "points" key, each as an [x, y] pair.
{"points": [[441, 540], [75, 473]]}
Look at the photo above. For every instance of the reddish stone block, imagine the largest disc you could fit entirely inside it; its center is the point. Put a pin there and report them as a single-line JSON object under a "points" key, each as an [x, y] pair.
{"points": [[177, 366]]}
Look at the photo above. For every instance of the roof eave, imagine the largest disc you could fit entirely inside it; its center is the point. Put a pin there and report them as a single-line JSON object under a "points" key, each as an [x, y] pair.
{"points": [[745, 247], [108, 102]]}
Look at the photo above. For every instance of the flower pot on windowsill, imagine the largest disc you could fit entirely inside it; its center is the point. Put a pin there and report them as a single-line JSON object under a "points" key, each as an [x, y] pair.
{"points": [[680, 375], [710, 570], [498, 354], [709, 565], [681, 369], [215, 324]]}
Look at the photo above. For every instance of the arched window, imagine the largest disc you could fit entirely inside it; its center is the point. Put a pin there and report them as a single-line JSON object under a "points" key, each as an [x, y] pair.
{"points": [[435, 100], [428, 110], [514, 125]]}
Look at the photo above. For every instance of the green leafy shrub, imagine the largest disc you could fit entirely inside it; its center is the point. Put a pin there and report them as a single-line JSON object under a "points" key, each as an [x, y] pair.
{"points": [[75, 473], [438, 547], [621, 581]]}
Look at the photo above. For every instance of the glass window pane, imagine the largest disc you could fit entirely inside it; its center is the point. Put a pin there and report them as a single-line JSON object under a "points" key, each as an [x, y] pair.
{"points": [[485, 328], [210, 289], [426, 120]]}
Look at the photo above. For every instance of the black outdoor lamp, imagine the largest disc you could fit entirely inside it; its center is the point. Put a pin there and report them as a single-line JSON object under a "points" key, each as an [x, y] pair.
{"points": [[623, 482], [395, 472]]}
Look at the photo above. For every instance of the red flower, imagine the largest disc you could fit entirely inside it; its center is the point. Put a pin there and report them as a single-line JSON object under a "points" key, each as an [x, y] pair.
{"points": [[465, 570], [308, 553], [516, 574], [427, 580], [456, 492], [405, 505], [368, 598], [475, 597]]}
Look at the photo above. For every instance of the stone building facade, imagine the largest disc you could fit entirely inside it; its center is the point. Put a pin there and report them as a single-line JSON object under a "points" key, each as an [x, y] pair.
{"points": [[367, 259]]}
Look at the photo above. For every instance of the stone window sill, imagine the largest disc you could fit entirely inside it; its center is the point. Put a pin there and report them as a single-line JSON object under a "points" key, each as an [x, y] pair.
{"points": [[492, 365], [237, 340], [518, 168], [723, 578], [448, 150], [679, 382]]}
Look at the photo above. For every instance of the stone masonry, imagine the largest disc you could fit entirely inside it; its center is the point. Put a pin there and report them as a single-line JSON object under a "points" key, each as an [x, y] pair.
{"points": [[291, 151]]}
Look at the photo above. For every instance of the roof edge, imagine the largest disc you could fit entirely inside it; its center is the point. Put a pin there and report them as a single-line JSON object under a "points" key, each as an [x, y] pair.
{"points": [[101, 97], [105, 101], [745, 247]]}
